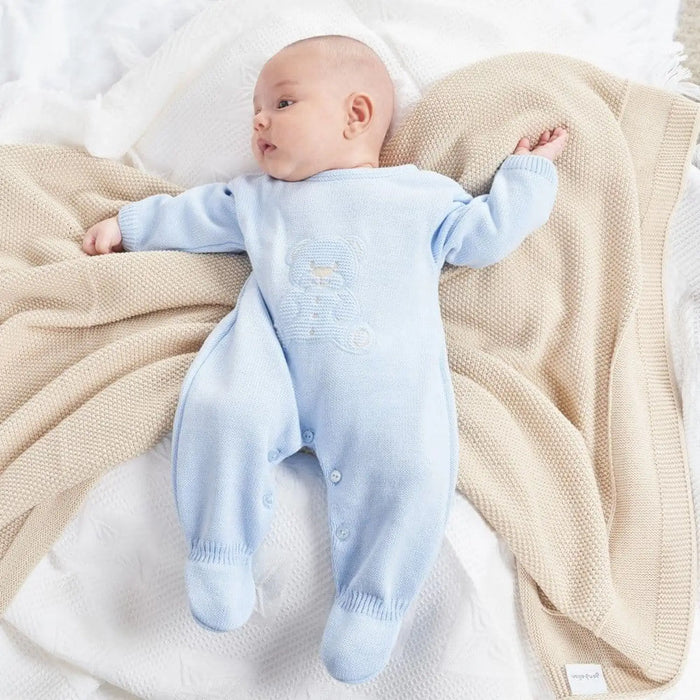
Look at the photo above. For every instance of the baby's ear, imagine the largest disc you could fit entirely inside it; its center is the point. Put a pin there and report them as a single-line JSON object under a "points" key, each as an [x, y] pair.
{"points": [[360, 110], [357, 244]]}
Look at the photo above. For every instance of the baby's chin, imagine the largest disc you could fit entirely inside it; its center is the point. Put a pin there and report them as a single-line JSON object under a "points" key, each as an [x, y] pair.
{"points": [[289, 173]]}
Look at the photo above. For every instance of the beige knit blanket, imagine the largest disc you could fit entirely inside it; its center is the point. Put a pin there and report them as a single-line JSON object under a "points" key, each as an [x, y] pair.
{"points": [[570, 434]]}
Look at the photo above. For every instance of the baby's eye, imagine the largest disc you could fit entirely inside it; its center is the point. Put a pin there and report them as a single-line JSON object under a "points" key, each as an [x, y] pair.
{"points": [[281, 101]]}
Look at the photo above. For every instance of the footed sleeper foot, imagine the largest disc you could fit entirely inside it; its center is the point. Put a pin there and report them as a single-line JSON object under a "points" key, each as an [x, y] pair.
{"points": [[356, 647], [221, 596]]}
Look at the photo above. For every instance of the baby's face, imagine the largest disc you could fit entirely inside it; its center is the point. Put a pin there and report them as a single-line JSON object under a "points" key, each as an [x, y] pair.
{"points": [[299, 116]]}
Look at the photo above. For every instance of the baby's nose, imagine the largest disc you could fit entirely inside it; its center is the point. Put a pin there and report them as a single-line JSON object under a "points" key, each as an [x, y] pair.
{"points": [[259, 120]]}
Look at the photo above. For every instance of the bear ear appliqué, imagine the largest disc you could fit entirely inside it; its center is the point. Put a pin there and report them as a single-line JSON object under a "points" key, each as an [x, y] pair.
{"points": [[293, 252], [357, 244]]}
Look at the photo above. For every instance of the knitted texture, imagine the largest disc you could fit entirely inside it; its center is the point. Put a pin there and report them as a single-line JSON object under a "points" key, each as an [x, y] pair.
{"points": [[570, 433]]}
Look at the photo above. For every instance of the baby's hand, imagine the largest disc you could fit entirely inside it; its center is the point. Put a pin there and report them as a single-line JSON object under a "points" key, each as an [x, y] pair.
{"points": [[549, 145], [104, 237]]}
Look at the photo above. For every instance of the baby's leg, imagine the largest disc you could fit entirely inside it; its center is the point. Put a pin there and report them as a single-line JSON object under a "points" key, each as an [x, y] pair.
{"points": [[236, 419], [389, 494]]}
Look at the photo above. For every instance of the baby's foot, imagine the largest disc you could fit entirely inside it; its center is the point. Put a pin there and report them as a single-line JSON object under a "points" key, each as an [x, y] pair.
{"points": [[221, 596], [355, 646]]}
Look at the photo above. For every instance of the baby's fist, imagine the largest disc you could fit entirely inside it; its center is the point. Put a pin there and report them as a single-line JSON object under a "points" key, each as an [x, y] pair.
{"points": [[550, 145], [104, 237]]}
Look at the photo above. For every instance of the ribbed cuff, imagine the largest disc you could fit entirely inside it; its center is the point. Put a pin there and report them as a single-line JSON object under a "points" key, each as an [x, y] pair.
{"points": [[535, 164], [354, 601], [129, 226], [218, 553]]}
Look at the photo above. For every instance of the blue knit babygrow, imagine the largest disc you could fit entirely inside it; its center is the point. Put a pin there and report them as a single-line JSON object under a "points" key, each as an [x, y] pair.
{"points": [[336, 341]]}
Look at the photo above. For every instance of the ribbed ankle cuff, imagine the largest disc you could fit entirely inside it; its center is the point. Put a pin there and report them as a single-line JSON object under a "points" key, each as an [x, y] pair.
{"points": [[218, 553], [354, 601]]}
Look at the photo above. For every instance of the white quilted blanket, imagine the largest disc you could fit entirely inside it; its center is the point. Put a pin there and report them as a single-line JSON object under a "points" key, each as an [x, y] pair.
{"points": [[167, 85]]}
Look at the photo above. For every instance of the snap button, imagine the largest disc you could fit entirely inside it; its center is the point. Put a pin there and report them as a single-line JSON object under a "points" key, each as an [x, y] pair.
{"points": [[268, 500], [342, 533], [307, 436], [336, 476], [272, 455]]}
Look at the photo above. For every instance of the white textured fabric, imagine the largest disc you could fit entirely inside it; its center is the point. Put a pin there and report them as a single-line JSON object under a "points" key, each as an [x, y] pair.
{"points": [[110, 600], [682, 289], [104, 615]]}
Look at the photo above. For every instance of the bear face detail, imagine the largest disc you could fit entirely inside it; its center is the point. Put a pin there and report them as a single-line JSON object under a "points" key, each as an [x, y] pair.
{"points": [[332, 263]]}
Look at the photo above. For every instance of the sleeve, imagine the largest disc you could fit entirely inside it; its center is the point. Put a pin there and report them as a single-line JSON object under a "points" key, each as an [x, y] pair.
{"points": [[480, 231], [202, 219]]}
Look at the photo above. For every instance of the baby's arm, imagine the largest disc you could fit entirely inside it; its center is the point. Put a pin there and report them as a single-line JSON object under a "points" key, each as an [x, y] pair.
{"points": [[481, 231], [202, 219]]}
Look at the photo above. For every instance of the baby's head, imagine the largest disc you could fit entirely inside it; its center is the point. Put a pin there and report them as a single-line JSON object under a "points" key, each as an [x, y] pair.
{"points": [[324, 102]]}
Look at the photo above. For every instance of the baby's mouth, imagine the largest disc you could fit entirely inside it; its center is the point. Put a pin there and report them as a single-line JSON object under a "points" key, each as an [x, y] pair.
{"points": [[265, 146]]}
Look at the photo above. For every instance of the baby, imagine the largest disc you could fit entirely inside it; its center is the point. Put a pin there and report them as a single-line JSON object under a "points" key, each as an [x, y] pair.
{"points": [[336, 340]]}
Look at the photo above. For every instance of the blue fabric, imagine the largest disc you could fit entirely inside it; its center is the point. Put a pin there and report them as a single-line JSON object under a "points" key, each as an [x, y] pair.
{"points": [[336, 342]]}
